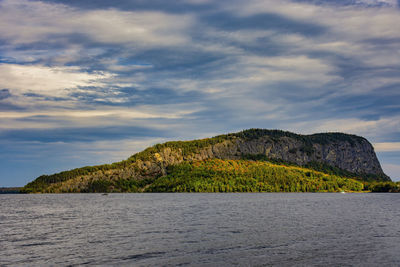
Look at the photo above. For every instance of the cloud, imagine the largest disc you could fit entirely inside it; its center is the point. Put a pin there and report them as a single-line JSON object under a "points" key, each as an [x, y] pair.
{"points": [[387, 146], [194, 69], [392, 3], [33, 21], [85, 134], [346, 27], [262, 21], [4, 93], [313, 72], [112, 113], [52, 81], [26, 121]]}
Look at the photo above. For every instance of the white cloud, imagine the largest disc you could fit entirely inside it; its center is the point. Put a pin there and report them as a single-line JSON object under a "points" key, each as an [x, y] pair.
{"points": [[243, 74], [102, 116], [387, 146], [24, 22], [313, 72], [141, 28], [124, 113], [347, 27], [51, 81], [351, 21]]}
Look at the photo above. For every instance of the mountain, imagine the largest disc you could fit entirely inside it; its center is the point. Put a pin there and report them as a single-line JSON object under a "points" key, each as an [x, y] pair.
{"points": [[337, 155]]}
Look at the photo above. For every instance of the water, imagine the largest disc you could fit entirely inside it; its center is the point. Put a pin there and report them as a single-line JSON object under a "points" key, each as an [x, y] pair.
{"points": [[200, 229]]}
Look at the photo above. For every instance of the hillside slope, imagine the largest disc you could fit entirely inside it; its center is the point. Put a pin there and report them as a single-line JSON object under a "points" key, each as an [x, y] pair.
{"points": [[335, 153], [216, 175]]}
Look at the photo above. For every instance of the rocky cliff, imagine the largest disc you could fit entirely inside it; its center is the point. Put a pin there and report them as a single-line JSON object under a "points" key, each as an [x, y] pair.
{"points": [[352, 154]]}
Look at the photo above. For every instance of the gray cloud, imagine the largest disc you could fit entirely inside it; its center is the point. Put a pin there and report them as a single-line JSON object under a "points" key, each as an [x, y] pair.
{"points": [[4, 93], [81, 134]]}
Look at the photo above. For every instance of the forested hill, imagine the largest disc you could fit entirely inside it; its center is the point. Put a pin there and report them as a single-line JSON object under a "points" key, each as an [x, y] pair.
{"points": [[338, 154]]}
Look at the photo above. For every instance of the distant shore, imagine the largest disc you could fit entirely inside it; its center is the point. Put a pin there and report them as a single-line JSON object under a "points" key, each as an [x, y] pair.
{"points": [[10, 190]]}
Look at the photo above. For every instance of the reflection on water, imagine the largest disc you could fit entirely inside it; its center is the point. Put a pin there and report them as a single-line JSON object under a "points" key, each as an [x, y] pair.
{"points": [[200, 229]]}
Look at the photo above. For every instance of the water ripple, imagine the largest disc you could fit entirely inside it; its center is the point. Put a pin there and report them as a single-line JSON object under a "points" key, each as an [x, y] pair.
{"points": [[200, 229]]}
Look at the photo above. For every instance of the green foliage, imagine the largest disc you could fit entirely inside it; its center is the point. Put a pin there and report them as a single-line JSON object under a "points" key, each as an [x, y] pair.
{"points": [[319, 166], [99, 186], [42, 182], [323, 167], [117, 186], [217, 175], [383, 187], [187, 147], [253, 133]]}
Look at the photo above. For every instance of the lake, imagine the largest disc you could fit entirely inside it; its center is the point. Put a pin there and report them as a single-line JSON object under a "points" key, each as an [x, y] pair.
{"points": [[246, 229]]}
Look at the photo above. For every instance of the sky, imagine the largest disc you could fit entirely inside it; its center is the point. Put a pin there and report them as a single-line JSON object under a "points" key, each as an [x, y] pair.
{"points": [[93, 82]]}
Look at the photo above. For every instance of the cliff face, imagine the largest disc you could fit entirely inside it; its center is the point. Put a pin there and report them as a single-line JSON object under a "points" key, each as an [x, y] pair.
{"points": [[346, 152], [356, 157]]}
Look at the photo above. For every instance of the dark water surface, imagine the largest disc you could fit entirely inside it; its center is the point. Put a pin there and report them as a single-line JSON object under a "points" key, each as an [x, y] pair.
{"points": [[200, 229]]}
